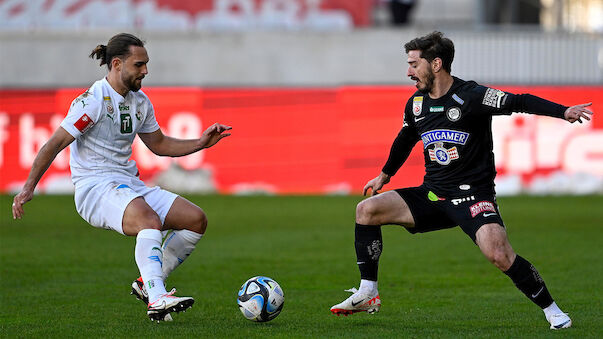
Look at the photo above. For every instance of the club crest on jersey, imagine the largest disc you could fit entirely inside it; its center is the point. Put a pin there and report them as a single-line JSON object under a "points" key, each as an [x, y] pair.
{"points": [[453, 114], [417, 105], [441, 155], [444, 135]]}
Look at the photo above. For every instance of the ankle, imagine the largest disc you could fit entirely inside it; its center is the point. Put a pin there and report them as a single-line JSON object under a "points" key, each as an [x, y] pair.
{"points": [[368, 286]]}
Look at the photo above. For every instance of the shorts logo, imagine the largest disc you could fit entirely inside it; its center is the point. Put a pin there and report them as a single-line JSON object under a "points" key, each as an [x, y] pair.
{"points": [[84, 123], [481, 207], [457, 201], [434, 197], [453, 114], [441, 155], [494, 98], [417, 105], [444, 135]]}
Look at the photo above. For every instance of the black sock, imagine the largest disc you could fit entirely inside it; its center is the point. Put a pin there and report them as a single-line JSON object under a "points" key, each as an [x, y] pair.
{"points": [[368, 250], [528, 281]]}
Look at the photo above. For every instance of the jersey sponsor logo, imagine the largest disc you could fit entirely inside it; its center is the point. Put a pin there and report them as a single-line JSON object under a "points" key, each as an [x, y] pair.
{"points": [[125, 123], [417, 119], [494, 98], [436, 109], [444, 135], [480, 207], [123, 107], [457, 201], [417, 105], [453, 114], [138, 115], [84, 123], [457, 99], [441, 155]]}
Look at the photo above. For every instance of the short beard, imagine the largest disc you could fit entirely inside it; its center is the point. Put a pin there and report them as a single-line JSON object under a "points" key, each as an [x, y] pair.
{"points": [[132, 86], [428, 82]]}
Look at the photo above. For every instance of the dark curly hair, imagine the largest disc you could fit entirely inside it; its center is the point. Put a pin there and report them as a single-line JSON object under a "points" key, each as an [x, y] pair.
{"points": [[432, 46]]}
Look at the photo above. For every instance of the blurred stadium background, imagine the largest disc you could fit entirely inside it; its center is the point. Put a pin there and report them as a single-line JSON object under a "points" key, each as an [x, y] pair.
{"points": [[313, 88]]}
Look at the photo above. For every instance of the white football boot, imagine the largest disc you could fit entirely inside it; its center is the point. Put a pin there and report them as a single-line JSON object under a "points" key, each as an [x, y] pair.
{"points": [[358, 302], [140, 292], [559, 321], [168, 303]]}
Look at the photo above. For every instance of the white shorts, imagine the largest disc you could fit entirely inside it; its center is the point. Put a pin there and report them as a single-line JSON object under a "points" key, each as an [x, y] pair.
{"points": [[102, 202]]}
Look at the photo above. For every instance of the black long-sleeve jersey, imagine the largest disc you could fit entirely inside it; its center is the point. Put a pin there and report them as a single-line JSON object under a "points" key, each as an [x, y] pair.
{"points": [[456, 130]]}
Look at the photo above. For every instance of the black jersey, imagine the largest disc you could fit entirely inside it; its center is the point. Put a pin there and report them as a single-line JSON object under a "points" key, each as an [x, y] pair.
{"points": [[456, 131]]}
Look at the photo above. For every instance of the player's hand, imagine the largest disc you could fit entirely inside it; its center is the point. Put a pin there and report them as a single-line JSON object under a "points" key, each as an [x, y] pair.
{"points": [[213, 134], [20, 200], [376, 184], [577, 113]]}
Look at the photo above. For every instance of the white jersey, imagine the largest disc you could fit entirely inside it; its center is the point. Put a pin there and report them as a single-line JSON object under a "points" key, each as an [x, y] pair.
{"points": [[104, 125]]}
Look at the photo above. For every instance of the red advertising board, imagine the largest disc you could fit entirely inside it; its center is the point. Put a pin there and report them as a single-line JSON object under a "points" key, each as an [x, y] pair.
{"points": [[183, 15], [299, 140]]}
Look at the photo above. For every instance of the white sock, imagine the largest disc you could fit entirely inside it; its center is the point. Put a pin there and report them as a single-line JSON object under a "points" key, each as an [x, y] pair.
{"points": [[176, 248], [553, 309], [368, 286], [148, 257]]}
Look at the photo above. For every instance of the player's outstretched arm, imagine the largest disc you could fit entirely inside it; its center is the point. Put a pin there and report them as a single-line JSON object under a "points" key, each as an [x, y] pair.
{"points": [[164, 145], [376, 184], [577, 113], [57, 142]]}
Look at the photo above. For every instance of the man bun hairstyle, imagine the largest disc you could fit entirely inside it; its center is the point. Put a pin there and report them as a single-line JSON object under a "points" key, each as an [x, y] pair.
{"points": [[432, 46], [118, 46]]}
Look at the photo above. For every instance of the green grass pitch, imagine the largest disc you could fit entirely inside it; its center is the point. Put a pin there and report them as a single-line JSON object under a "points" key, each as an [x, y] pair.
{"points": [[60, 277]]}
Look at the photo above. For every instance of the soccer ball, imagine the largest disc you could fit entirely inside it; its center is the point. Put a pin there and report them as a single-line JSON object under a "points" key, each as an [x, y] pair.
{"points": [[260, 299]]}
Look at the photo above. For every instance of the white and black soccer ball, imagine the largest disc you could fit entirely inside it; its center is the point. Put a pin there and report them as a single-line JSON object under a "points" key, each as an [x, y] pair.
{"points": [[261, 299]]}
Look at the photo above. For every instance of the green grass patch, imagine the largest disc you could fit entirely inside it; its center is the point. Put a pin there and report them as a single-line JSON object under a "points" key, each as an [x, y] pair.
{"points": [[60, 277]]}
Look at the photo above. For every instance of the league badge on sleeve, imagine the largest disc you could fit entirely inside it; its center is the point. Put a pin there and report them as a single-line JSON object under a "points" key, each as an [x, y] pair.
{"points": [[494, 98], [417, 105], [84, 123]]}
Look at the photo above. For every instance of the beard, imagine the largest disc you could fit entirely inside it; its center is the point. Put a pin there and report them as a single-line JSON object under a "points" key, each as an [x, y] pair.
{"points": [[132, 83], [428, 83]]}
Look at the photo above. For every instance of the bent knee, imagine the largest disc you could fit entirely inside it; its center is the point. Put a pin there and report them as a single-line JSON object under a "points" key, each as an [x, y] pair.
{"points": [[199, 224], [366, 213], [501, 259], [144, 220]]}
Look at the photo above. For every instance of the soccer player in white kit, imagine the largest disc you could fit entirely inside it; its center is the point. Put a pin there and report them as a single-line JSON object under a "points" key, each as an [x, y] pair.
{"points": [[103, 122]]}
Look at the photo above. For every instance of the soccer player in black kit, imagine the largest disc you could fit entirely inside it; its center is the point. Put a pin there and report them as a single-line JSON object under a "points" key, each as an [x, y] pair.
{"points": [[453, 119]]}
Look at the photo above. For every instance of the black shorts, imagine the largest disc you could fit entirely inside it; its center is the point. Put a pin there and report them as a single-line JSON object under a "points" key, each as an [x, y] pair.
{"points": [[432, 212]]}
